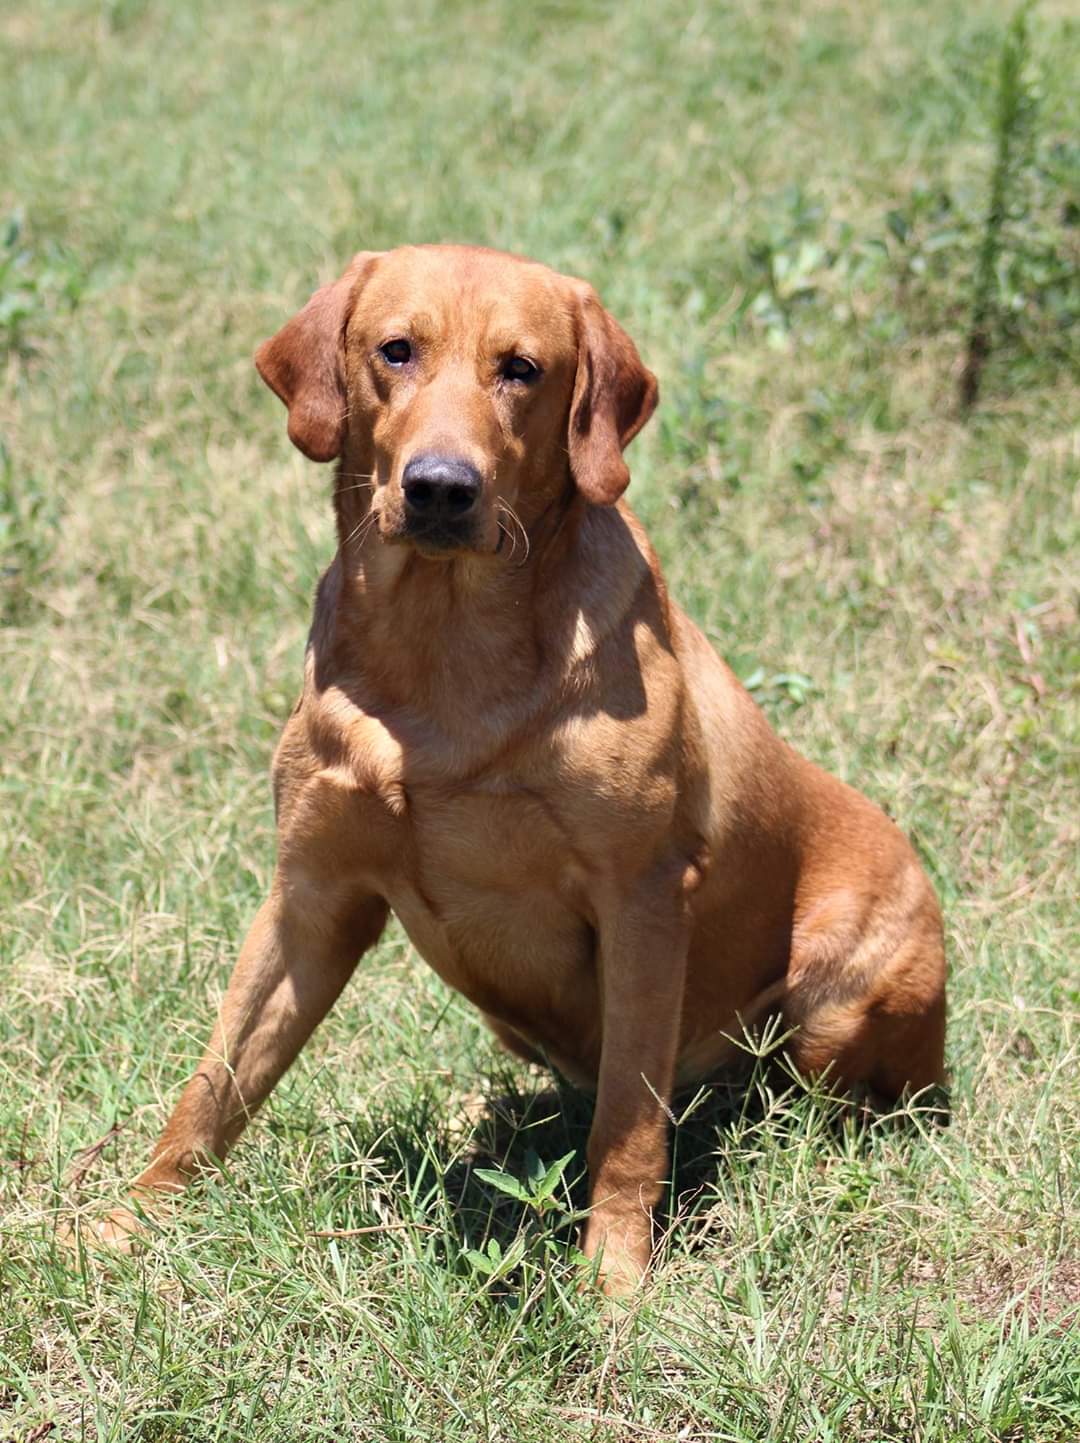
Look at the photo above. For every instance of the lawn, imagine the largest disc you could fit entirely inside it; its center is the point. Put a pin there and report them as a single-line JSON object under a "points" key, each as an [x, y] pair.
{"points": [[784, 204]]}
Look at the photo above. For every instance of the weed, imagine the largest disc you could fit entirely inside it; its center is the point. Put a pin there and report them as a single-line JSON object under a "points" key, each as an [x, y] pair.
{"points": [[1013, 112], [33, 283]]}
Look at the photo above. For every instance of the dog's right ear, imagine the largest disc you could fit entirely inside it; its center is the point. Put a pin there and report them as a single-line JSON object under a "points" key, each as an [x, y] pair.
{"points": [[304, 364]]}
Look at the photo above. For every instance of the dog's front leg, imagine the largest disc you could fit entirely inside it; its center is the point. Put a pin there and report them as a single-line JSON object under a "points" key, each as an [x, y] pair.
{"points": [[643, 947], [294, 962]]}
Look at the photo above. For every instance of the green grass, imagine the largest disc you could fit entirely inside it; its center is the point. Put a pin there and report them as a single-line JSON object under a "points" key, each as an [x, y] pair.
{"points": [[783, 204]]}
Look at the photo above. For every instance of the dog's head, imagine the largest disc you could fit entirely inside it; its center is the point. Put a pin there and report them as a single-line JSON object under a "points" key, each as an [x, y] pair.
{"points": [[465, 386]]}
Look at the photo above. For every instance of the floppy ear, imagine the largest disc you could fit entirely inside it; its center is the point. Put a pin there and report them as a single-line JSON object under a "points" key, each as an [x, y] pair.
{"points": [[614, 395], [304, 364]]}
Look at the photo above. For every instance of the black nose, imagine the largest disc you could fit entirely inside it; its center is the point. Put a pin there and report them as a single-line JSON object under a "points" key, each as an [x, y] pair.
{"points": [[440, 488]]}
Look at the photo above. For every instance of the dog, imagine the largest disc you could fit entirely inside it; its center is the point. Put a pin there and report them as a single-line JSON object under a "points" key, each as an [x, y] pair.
{"points": [[513, 739]]}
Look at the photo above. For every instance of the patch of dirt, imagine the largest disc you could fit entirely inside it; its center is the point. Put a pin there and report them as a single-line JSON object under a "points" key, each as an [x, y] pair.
{"points": [[1028, 1291]]}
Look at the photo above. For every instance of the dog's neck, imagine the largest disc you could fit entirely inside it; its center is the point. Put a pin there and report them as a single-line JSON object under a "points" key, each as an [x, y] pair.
{"points": [[476, 646], [451, 638]]}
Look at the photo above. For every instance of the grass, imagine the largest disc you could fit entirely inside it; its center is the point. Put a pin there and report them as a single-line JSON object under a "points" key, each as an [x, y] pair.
{"points": [[783, 204]]}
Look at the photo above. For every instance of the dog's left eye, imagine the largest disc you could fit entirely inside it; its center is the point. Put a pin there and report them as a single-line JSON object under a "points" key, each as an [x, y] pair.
{"points": [[520, 368], [396, 353]]}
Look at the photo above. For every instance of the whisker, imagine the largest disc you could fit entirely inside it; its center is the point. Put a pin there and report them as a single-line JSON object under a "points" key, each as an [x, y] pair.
{"points": [[516, 519], [365, 480], [359, 531], [510, 537], [498, 522], [511, 533]]}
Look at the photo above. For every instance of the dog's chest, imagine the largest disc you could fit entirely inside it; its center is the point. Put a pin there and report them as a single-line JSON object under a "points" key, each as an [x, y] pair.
{"points": [[481, 854], [486, 834], [482, 871], [486, 884]]}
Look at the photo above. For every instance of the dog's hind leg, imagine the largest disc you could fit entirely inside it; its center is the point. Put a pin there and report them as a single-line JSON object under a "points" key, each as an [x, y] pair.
{"points": [[880, 1024]]}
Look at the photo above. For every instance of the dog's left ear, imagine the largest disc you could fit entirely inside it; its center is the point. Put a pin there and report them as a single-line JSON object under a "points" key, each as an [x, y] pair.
{"points": [[614, 395], [304, 364]]}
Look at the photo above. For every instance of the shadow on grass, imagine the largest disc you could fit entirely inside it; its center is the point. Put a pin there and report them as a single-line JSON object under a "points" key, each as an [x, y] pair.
{"points": [[718, 1131]]}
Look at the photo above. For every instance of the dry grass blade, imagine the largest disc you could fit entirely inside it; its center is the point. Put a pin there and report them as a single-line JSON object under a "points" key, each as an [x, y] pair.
{"points": [[90, 1155], [370, 1230]]}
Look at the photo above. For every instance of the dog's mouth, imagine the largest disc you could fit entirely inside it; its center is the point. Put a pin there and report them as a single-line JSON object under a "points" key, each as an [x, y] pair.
{"points": [[440, 539]]}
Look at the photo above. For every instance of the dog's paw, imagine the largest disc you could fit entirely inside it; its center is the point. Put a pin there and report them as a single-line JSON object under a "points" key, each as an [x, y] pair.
{"points": [[620, 1276], [618, 1253], [122, 1230], [118, 1232]]}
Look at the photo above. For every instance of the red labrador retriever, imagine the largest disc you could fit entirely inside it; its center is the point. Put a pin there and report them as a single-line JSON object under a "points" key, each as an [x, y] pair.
{"points": [[510, 736]]}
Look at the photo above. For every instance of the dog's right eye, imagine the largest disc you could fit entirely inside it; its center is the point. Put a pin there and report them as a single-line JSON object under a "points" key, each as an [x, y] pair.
{"points": [[396, 353]]}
